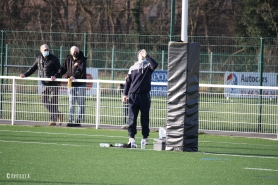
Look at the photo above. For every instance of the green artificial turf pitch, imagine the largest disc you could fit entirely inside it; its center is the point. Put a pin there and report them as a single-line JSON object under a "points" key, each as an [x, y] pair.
{"points": [[58, 155]]}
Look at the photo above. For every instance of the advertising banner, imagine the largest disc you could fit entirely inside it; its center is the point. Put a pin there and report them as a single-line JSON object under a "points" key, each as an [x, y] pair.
{"points": [[159, 76], [249, 79]]}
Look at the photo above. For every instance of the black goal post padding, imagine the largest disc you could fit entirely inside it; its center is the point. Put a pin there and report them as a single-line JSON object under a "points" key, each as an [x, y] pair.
{"points": [[182, 96]]}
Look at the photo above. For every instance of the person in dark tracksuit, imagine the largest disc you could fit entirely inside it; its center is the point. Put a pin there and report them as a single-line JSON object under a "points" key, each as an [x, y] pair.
{"points": [[137, 91]]}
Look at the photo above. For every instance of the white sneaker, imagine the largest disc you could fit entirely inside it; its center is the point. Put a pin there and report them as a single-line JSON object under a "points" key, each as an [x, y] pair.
{"points": [[131, 140], [132, 143], [146, 141]]}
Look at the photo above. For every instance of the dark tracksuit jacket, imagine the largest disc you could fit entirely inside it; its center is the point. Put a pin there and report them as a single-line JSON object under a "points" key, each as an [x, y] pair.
{"points": [[138, 86]]}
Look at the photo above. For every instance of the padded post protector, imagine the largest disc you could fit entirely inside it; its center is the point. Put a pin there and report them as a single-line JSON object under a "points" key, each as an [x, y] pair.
{"points": [[183, 92]]}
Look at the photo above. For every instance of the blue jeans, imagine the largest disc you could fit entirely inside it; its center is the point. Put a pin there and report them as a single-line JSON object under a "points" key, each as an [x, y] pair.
{"points": [[77, 94]]}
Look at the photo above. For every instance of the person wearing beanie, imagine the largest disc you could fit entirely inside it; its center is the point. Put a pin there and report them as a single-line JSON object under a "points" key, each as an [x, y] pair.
{"points": [[137, 92], [47, 65]]}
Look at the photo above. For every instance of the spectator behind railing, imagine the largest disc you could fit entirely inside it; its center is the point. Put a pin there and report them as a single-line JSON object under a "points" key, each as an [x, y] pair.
{"points": [[47, 65], [75, 68]]}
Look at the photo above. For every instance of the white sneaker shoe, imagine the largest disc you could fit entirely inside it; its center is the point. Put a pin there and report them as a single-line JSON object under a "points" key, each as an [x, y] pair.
{"points": [[131, 140], [132, 143], [146, 141]]}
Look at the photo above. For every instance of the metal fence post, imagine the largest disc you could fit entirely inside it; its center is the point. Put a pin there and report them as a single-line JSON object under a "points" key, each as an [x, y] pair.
{"points": [[98, 105], [6, 61], [261, 61], [13, 102], [2, 52], [162, 60], [172, 24], [112, 67], [2, 69], [61, 54], [210, 70], [85, 44], [112, 64]]}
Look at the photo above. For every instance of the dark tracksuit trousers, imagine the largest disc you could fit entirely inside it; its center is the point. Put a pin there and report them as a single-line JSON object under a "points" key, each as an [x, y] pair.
{"points": [[142, 103]]}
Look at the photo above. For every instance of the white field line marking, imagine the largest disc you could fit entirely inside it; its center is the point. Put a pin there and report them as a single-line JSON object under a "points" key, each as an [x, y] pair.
{"points": [[238, 143], [250, 156], [25, 142], [91, 135], [53, 133], [261, 169]]}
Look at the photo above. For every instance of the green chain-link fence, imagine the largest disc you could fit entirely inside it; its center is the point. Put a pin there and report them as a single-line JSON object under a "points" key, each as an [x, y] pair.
{"points": [[114, 54]]}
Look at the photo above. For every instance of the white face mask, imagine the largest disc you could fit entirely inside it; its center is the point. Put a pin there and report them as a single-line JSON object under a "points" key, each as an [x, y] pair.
{"points": [[45, 53], [141, 61]]}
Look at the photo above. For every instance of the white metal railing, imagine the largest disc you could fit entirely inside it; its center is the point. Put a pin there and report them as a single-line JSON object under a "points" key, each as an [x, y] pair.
{"points": [[20, 100], [103, 107], [253, 110]]}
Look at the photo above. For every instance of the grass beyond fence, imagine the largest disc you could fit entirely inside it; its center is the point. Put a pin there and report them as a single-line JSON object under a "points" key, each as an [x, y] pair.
{"points": [[57, 155], [216, 110], [237, 114]]}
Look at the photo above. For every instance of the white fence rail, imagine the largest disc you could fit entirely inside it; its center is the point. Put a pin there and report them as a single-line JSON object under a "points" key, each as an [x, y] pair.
{"points": [[20, 100]]}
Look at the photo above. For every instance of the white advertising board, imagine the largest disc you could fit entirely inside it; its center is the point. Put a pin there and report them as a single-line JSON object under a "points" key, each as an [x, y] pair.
{"points": [[159, 76], [249, 79]]}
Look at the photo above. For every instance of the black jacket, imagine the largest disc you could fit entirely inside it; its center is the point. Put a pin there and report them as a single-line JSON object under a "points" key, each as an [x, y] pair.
{"points": [[140, 76], [75, 68], [47, 67]]}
